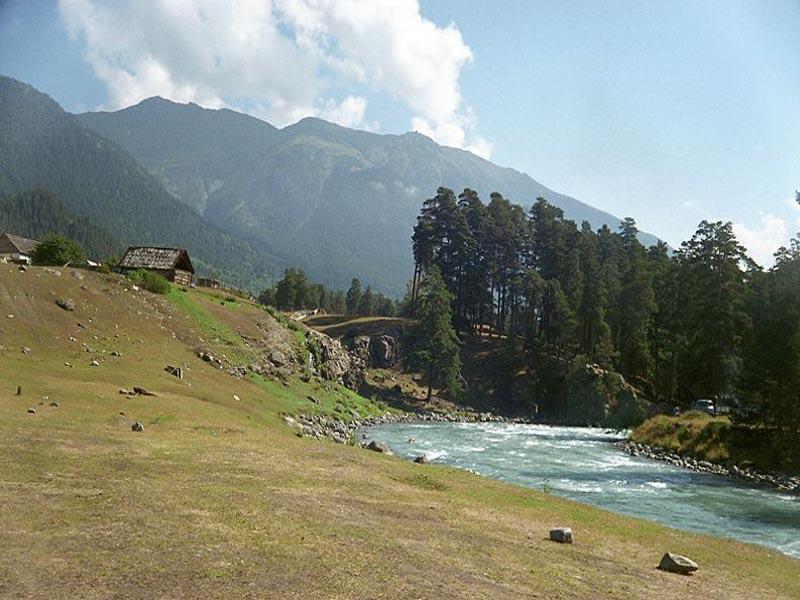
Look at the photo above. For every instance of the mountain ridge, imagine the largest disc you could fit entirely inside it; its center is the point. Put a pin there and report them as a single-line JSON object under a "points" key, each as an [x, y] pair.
{"points": [[338, 202], [44, 147]]}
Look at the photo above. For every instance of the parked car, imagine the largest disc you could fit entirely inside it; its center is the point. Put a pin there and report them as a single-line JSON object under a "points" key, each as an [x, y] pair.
{"points": [[705, 405]]}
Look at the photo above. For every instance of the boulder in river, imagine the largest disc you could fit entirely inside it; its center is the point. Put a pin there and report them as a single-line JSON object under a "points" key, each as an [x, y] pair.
{"points": [[675, 563], [381, 447], [562, 535]]}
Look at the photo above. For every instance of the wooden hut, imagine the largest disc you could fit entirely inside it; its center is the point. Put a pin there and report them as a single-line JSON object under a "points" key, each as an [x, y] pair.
{"points": [[16, 248], [172, 263]]}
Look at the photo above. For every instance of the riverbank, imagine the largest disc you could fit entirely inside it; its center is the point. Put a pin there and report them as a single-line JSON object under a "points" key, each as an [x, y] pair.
{"points": [[780, 481], [343, 431], [701, 442]]}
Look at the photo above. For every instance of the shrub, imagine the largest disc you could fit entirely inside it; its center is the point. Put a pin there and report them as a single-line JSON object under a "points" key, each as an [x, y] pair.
{"points": [[152, 282], [57, 249]]}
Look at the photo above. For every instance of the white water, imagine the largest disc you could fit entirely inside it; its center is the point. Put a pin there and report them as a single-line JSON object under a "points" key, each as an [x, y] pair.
{"points": [[583, 464]]}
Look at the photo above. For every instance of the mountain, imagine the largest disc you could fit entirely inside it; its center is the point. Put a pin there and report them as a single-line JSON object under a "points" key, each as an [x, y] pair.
{"points": [[36, 213], [338, 202], [42, 146]]}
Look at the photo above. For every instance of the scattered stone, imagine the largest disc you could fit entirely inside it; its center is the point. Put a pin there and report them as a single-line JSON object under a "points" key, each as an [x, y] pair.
{"points": [[72, 339], [313, 399], [26, 350], [562, 535], [142, 392], [23, 268], [54, 404], [278, 358], [381, 447], [66, 303], [122, 413], [67, 364], [31, 410], [77, 275], [675, 563], [94, 363], [421, 460], [176, 371], [235, 397], [137, 426], [19, 390], [10, 316], [115, 353]]}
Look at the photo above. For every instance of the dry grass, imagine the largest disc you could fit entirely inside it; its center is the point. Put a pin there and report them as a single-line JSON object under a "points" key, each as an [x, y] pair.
{"points": [[218, 499]]}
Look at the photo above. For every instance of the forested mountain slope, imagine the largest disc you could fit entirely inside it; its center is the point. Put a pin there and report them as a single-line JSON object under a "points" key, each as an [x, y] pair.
{"points": [[36, 213], [41, 146], [332, 200]]}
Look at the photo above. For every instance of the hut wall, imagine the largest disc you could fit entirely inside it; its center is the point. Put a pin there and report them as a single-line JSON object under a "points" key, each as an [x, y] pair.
{"points": [[181, 277]]}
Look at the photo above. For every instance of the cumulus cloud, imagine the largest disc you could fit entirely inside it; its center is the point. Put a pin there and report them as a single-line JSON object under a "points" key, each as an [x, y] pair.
{"points": [[281, 59], [764, 239]]}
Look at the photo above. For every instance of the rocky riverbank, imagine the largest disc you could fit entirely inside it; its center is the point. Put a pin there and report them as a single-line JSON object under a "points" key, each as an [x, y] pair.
{"points": [[780, 481], [344, 431]]}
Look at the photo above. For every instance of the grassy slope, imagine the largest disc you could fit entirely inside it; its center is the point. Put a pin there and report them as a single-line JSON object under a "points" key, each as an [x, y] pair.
{"points": [[217, 497], [709, 438]]}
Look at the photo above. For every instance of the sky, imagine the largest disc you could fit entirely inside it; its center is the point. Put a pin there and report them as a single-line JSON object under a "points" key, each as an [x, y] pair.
{"points": [[668, 112]]}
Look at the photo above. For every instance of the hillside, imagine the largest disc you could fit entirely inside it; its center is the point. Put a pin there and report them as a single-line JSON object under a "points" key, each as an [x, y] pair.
{"points": [[335, 201], [36, 213], [41, 146], [218, 498]]}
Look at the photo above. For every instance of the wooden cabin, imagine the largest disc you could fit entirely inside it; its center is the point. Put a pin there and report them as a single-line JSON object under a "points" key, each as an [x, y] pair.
{"points": [[172, 263], [16, 249]]}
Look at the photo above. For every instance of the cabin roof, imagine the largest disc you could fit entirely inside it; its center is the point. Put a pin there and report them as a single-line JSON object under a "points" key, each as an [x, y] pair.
{"points": [[15, 243], [156, 258]]}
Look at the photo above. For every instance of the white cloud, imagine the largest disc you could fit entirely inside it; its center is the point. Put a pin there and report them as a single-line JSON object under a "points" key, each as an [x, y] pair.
{"points": [[764, 239], [282, 59]]}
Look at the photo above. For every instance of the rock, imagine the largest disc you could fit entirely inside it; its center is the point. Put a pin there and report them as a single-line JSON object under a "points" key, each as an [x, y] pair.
{"points": [[421, 460], [77, 275], [115, 353], [675, 563], [562, 535], [142, 392], [66, 303], [23, 268], [381, 447], [176, 371], [137, 426], [67, 364], [31, 410], [278, 358], [235, 397], [94, 363], [313, 399], [54, 404], [26, 350], [19, 390]]}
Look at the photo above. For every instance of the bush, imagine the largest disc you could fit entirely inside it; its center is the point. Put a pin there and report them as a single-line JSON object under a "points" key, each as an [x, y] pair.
{"points": [[56, 249], [152, 282]]}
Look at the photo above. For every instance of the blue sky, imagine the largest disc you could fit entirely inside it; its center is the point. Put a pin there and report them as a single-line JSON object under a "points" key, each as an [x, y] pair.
{"points": [[670, 112]]}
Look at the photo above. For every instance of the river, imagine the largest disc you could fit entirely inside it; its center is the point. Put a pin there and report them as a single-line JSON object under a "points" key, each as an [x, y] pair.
{"points": [[583, 464]]}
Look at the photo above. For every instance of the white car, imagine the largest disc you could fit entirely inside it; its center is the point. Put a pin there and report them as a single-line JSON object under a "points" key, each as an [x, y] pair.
{"points": [[706, 406]]}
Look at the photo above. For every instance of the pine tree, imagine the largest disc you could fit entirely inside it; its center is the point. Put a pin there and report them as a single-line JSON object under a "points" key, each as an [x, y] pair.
{"points": [[434, 345]]}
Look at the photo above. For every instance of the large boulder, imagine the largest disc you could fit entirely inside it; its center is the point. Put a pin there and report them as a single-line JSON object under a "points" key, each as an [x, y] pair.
{"points": [[383, 351], [381, 447], [562, 535], [375, 351], [675, 563]]}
